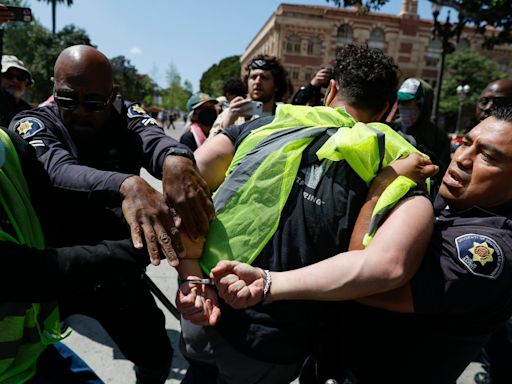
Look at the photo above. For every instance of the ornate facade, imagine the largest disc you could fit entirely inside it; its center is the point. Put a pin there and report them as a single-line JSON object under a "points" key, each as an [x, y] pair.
{"points": [[305, 38]]}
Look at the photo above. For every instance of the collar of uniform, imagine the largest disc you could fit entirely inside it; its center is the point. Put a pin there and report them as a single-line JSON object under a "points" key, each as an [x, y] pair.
{"points": [[442, 208]]}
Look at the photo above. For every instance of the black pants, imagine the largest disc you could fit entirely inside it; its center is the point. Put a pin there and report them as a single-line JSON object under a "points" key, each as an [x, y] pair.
{"points": [[128, 313]]}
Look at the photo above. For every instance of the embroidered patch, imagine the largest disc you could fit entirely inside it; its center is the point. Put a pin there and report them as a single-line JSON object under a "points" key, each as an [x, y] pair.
{"points": [[136, 110], [29, 126], [481, 255]]}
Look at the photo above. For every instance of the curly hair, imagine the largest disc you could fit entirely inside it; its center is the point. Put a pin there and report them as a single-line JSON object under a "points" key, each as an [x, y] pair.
{"points": [[367, 78], [280, 74], [235, 86]]}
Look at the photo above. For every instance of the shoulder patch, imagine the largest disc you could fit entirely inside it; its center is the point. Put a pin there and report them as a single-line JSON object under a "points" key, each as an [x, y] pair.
{"points": [[28, 127], [480, 254], [135, 110]]}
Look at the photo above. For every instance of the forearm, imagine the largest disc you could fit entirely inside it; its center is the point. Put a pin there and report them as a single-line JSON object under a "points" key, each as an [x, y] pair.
{"points": [[52, 273], [387, 263], [189, 267]]}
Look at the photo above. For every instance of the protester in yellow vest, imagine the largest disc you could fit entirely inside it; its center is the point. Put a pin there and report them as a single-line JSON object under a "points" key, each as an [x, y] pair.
{"points": [[293, 189]]}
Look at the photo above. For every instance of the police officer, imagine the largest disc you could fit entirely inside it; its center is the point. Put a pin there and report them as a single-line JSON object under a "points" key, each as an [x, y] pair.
{"points": [[93, 144]]}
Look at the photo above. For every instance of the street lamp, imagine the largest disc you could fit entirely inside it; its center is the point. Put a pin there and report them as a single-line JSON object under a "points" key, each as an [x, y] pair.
{"points": [[462, 92], [443, 32]]}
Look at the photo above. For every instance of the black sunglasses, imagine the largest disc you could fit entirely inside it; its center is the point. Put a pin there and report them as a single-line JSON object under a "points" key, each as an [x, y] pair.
{"points": [[497, 101], [10, 76], [69, 103]]}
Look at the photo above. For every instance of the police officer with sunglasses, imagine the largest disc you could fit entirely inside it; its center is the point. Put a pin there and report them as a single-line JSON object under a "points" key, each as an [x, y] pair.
{"points": [[93, 144], [16, 78]]}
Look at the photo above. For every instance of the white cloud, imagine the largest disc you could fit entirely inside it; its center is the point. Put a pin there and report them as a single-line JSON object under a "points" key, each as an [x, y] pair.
{"points": [[136, 51]]}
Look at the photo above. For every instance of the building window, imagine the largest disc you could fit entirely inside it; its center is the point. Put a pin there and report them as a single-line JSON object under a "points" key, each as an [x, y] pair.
{"points": [[433, 54], [463, 44], [503, 64], [308, 76], [294, 73], [314, 46], [377, 38], [293, 44], [344, 36]]}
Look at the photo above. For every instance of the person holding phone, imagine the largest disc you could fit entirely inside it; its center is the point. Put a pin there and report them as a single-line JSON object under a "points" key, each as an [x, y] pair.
{"points": [[267, 83]]}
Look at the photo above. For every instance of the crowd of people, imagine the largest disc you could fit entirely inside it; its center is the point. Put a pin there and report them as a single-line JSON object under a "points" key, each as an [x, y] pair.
{"points": [[322, 239]]}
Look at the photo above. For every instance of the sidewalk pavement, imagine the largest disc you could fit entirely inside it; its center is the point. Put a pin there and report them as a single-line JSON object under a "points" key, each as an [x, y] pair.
{"points": [[93, 344]]}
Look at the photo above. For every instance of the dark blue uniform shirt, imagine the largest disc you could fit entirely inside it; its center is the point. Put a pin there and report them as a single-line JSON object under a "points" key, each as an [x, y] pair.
{"points": [[130, 139]]}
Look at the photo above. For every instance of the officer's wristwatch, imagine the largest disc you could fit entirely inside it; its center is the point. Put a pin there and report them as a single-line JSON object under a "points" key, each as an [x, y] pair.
{"points": [[178, 151]]}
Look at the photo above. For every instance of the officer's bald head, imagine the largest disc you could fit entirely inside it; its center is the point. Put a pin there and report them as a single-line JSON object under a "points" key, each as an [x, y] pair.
{"points": [[83, 77], [81, 63]]}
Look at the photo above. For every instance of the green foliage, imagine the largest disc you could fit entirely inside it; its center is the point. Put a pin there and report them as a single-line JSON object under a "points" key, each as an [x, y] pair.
{"points": [[38, 49], [132, 85], [176, 95], [478, 13], [466, 67], [213, 79]]}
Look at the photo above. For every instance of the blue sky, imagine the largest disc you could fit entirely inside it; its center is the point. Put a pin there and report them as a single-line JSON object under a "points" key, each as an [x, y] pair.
{"points": [[192, 35]]}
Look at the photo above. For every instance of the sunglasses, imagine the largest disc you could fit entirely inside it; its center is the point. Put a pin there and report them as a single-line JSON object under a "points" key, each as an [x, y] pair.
{"points": [[497, 101], [70, 103], [19, 77]]}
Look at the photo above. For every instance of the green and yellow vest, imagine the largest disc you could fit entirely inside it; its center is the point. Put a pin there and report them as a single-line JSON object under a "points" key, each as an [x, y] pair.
{"points": [[25, 328], [261, 175]]}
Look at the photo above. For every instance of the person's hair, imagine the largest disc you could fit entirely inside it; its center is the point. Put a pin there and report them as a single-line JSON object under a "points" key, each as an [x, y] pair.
{"points": [[503, 113], [367, 78], [272, 64], [234, 86]]}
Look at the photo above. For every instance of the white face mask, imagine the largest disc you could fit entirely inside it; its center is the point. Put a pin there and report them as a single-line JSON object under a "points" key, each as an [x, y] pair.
{"points": [[409, 115], [2, 154]]}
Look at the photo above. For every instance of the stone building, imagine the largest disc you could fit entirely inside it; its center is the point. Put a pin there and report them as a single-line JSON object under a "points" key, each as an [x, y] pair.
{"points": [[305, 38]]}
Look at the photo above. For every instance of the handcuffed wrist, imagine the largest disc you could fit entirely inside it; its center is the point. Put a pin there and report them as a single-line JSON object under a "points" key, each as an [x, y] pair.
{"points": [[267, 278]]}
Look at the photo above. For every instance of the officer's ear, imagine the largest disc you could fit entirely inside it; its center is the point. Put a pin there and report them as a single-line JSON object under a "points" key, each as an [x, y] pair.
{"points": [[331, 92]]}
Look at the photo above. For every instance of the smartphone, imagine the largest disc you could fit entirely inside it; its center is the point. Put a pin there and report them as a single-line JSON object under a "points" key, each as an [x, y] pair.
{"points": [[253, 108], [20, 13]]}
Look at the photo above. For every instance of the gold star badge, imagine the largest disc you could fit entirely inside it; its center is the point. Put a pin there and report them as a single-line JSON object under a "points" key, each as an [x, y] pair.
{"points": [[481, 253], [24, 127], [138, 108]]}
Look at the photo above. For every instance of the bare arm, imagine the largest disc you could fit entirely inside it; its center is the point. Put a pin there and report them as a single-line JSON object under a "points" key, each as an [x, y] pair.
{"points": [[387, 263], [213, 159]]}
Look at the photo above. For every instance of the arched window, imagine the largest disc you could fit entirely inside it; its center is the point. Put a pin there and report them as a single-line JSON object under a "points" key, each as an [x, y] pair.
{"points": [[314, 46], [463, 44], [293, 44], [377, 38], [345, 35]]}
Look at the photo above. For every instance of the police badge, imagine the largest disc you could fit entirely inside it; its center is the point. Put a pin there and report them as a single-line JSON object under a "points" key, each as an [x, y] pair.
{"points": [[480, 254]]}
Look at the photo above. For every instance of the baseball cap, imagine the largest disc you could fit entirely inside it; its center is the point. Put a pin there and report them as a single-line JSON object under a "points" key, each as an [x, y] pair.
{"points": [[10, 61], [198, 99], [409, 90]]}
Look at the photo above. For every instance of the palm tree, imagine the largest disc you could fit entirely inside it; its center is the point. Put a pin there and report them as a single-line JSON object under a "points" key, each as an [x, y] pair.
{"points": [[54, 8]]}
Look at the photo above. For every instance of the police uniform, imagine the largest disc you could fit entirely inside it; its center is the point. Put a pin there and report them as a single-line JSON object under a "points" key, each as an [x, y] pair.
{"points": [[462, 292], [87, 180], [9, 107], [315, 224]]}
